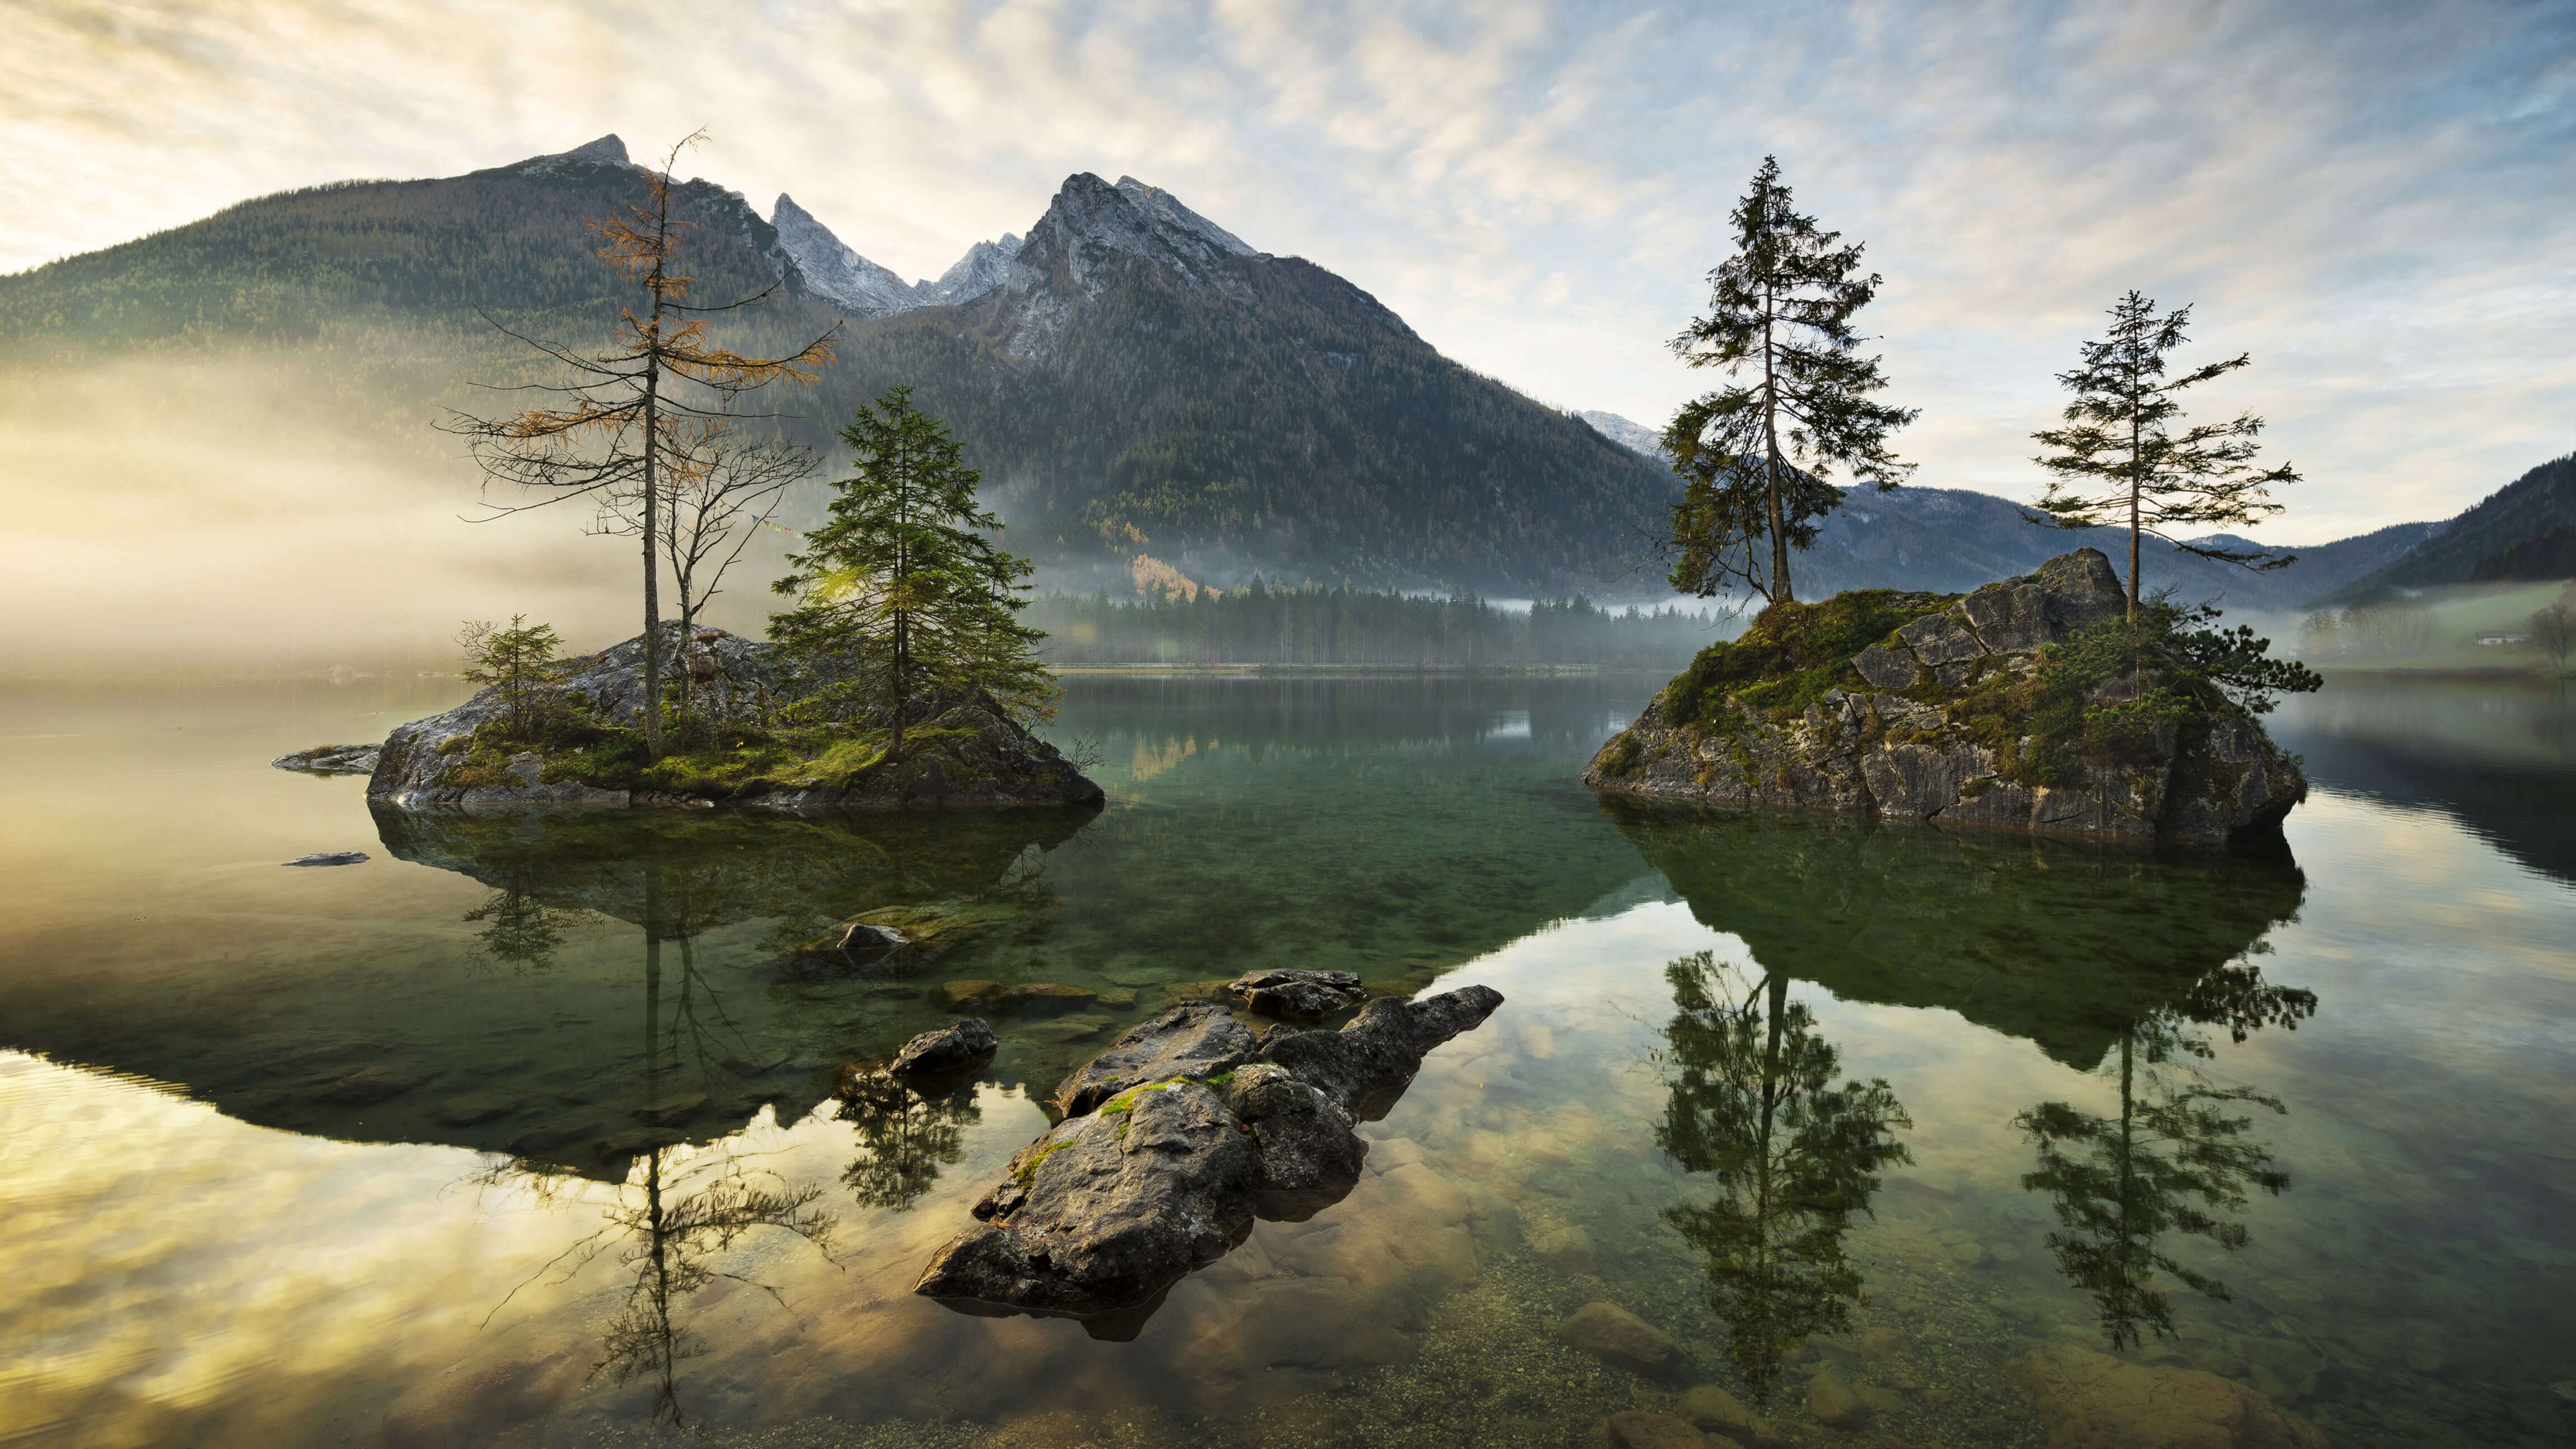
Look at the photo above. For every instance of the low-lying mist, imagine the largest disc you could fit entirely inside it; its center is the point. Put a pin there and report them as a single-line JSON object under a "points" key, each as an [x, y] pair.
{"points": [[242, 515]]}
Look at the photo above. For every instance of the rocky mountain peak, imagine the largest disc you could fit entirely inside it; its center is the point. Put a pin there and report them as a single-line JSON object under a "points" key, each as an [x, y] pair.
{"points": [[608, 150], [837, 274], [1092, 224]]}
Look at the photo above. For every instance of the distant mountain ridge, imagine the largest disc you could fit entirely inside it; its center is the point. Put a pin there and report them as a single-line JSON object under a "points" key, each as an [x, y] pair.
{"points": [[2502, 536], [1133, 378], [1950, 539]]}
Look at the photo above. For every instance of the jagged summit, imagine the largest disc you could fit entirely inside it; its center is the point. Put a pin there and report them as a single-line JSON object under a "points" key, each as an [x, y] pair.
{"points": [[1168, 209], [1092, 224], [837, 274], [985, 266]]}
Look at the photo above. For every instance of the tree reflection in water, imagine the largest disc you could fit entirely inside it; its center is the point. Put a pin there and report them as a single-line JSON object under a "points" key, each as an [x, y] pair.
{"points": [[2174, 1161], [1754, 1103], [682, 1206], [905, 1135], [519, 929]]}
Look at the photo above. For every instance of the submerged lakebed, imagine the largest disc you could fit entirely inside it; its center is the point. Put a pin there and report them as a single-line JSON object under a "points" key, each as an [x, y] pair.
{"points": [[525, 1131]]}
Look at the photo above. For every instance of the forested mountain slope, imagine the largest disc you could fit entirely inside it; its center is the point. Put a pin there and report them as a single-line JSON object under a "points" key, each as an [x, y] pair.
{"points": [[2506, 535]]}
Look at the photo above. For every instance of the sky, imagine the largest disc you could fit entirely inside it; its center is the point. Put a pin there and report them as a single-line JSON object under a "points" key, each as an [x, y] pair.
{"points": [[2377, 201]]}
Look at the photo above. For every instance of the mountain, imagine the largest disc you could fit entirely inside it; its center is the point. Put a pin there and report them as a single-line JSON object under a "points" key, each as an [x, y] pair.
{"points": [[1141, 380], [2505, 535], [1635, 437], [1950, 539], [1132, 377]]}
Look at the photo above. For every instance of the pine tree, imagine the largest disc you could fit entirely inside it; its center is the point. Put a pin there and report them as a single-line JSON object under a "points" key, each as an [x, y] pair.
{"points": [[640, 419], [902, 589], [1759, 456], [2119, 438]]}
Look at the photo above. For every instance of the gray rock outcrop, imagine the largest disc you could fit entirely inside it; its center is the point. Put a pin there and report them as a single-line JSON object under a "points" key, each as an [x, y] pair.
{"points": [[330, 760], [980, 756], [1922, 725], [949, 1049], [1297, 995], [1181, 1134]]}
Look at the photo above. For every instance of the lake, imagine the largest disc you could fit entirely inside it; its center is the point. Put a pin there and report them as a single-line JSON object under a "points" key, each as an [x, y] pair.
{"points": [[525, 1131]]}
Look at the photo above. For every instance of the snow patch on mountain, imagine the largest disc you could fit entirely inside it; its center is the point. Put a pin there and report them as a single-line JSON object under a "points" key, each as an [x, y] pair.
{"points": [[1636, 437], [1092, 226], [985, 266], [837, 274]]}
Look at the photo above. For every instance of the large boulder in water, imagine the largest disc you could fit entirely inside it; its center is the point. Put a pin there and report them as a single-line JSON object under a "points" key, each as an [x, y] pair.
{"points": [[1948, 708], [1166, 1173], [963, 751]]}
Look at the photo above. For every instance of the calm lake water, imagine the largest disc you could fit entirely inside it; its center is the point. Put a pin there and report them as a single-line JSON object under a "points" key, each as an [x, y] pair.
{"points": [[448, 1148]]}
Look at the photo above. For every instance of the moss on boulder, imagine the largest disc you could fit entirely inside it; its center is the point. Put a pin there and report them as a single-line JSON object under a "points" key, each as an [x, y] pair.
{"points": [[2023, 704]]}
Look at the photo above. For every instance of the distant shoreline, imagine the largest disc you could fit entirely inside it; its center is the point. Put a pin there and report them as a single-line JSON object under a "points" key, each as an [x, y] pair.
{"points": [[1450, 670]]}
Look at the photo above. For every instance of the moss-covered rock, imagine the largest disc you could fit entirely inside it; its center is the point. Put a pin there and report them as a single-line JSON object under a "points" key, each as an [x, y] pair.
{"points": [[2023, 704], [588, 747]]}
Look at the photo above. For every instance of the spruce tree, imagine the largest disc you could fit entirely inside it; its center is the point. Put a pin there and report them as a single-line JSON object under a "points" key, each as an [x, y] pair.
{"points": [[1759, 456], [902, 592], [2119, 440]]}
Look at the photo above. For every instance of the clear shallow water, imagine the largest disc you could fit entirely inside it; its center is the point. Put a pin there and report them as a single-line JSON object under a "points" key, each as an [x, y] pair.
{"points": [[439, 1149]]}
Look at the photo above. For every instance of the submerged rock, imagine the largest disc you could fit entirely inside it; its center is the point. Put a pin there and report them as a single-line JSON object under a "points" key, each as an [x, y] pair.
{"points": [[968, 751], [1618, 1337], [1937, 718], [2094, 1401], [1297, 995], [1635, 1429], [330, 760], [1714, 1409], [1179, 1136]]}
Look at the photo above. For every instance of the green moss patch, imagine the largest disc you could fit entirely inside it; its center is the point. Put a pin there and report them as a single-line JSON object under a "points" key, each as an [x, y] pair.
{"points": [[1793, 654]]}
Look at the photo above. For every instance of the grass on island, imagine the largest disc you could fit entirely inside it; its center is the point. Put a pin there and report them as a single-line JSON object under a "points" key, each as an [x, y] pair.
{"points": [[2044, 727]]}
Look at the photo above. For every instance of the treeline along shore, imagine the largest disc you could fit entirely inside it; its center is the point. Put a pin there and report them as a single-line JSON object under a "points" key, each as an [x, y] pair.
{"points": [[1262, 624]]}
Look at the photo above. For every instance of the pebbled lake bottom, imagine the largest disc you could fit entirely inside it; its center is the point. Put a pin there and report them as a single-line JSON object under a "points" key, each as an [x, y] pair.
{"points": [[533, 1130]]}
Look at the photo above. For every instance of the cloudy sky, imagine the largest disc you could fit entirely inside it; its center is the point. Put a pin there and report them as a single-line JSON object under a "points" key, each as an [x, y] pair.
{"points": [[2377, 200]]}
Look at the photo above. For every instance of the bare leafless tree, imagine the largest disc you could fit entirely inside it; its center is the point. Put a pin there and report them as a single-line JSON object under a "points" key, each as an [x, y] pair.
{"points": [[627, 425]]}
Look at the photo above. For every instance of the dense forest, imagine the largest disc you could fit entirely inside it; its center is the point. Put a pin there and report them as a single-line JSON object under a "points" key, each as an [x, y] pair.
{"points": [[1258, 624]]}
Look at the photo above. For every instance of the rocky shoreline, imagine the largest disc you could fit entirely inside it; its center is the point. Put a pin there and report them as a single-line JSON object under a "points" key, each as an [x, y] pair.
{"points": [[1932, 719]]}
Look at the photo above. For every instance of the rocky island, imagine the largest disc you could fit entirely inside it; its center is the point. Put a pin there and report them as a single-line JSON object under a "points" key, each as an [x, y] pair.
{"points": [[2031, 703], [586, 749]]}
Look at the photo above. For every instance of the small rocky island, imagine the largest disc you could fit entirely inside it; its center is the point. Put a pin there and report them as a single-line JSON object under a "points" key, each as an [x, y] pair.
{"points": [[586, 748], [1175, 1139], [2029, 703]]}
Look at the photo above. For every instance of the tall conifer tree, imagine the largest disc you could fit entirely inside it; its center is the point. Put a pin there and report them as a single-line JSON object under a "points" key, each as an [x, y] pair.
{"points": [[2119, 440], [1759, 455], [903, 581]]}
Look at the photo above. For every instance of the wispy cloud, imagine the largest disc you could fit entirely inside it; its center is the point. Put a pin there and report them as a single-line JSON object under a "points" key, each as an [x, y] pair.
{"points": [[2370, 197]]}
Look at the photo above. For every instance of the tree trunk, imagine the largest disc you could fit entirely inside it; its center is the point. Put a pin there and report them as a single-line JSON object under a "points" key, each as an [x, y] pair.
{"points": [[2136, 482], [652, 508], [1780, 591]]}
